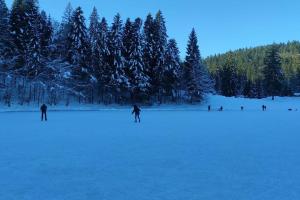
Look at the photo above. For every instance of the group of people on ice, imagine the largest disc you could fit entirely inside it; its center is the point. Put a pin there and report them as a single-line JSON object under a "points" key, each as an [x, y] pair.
{"points": [[264, 108], [136, 111]]}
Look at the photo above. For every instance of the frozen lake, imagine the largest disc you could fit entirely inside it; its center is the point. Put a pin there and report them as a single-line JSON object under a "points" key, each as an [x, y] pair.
{"points": [[171, 155]]}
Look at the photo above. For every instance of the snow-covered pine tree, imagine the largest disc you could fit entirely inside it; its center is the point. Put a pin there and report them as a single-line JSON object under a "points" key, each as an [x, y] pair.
{"points": [[94, 38], [160, 42], [17, 29], [273, 74], [127, 40], [149, 51], [104, 72], [46, 31], [28, 63], [31, 38], [5, 40], [6, 54], [195, 74], [172, 71], [49, 73], [61, 40], [139, 81], [119, 83], [4, 25], [78, 56], [103, 41]]}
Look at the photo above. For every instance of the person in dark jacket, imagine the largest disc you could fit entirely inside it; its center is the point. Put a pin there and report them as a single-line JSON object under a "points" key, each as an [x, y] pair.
{"points": [[209, 108], [221, 109], [136, 111], [44, 112]]}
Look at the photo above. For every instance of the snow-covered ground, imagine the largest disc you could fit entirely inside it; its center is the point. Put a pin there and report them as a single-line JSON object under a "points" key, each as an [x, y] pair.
{"points": [[229, 104], [182, 153]]}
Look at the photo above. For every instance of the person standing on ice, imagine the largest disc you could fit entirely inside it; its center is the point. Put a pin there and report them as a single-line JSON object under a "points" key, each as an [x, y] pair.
{"points": [[136, 111], [44, 112]]}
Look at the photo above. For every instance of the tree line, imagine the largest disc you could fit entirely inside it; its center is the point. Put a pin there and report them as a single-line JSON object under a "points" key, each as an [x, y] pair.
{"points": [[271, 70], [131, 61], [135, 61]]}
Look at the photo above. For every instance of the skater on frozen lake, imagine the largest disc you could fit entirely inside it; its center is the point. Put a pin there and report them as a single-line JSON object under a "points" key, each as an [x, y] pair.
{"points": [[136, 111], [44, 112]]}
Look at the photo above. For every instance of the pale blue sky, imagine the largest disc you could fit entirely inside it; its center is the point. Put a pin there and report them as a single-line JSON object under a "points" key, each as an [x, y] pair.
{"points": [[220, 25]]}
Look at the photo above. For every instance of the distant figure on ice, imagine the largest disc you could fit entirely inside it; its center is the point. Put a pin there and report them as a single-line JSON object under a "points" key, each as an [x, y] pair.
{"points": [[136, 111], [221, 109], [242, 108], [209, 108], [264, 108], [44, 112]]}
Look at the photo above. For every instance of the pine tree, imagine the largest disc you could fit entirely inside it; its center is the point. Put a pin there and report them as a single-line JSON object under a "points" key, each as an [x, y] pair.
{"points": [[104, 72], [17, 31], [94, 38], [24, 29], [149, 49], [273, 75], [78, 55], [61, 39], [45, 33], [161, 39], [4, 21], [119, 83], [32, 49], [97, 46], [172, 70], [103, 41], [161, 42], [5, 39], [139, 81], [228, 77], [297, 80], [127, 40], [196, 77]]}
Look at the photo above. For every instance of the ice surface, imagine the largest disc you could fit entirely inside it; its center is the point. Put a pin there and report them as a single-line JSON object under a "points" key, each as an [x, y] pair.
{"points": [[174, 154]]}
